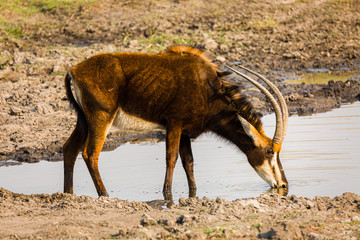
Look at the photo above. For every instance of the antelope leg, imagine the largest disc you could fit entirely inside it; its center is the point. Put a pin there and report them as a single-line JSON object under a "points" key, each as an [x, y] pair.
{"points": [[93, 146], [71, 150], [188, 163], [173, 134]]}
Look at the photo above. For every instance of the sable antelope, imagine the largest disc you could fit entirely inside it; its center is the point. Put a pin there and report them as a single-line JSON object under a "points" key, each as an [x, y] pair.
{"points": [[178, 89]]}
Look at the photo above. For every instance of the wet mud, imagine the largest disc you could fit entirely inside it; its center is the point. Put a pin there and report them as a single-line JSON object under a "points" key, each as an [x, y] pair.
{"points": [[270, 216]]}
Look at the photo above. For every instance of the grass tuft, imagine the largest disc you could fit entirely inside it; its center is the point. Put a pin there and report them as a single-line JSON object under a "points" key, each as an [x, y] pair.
{"points": [[31, 7]]}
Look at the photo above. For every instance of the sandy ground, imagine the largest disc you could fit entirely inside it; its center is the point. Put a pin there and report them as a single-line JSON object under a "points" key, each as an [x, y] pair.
{"points": [[278, 38], [270, 216]]}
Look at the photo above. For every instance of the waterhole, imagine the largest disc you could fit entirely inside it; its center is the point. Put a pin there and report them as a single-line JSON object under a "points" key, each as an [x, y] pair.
{"points": [[323, 76], [320, 155]]}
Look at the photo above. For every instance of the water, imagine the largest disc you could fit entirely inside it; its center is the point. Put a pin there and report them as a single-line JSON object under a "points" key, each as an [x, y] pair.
{"points": [[320, 156], [323, 76]]}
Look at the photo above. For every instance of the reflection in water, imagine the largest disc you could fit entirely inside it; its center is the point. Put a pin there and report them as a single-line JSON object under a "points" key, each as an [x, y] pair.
{"points": [[280, 191], [320, 156]]}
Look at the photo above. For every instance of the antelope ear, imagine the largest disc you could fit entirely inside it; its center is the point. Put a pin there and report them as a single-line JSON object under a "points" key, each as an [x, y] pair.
{"points": [[223, 73], [251, 131]]}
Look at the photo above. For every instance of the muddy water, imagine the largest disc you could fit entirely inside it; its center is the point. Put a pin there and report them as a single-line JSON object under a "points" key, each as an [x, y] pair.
{"points": [[321, 156], [323, 76]]}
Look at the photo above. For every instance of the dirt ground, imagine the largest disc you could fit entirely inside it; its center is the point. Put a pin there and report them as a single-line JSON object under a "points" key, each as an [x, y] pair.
{"points": [[280, 39], [270, 216]]}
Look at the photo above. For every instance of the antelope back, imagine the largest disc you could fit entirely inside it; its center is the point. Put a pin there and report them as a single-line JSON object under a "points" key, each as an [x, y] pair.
{"points": [[154, 88]]}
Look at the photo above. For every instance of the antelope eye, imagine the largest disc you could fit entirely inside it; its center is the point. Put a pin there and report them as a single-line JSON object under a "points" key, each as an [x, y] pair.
{"points": [[270, 151]]}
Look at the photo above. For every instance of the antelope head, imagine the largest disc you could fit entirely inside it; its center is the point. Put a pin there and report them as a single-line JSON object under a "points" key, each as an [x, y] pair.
{"points": [[265, 156]]}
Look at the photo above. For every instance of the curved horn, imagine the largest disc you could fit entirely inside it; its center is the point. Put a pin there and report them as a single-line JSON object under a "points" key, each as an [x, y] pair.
{"points": [[277, 92], [279, 124]]}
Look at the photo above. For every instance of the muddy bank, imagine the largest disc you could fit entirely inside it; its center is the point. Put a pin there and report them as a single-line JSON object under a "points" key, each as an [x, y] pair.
{"points": [[269, 216]]}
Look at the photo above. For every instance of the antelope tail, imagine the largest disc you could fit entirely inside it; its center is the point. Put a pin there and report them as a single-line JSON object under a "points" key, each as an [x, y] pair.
{"points": [[81, 120]]}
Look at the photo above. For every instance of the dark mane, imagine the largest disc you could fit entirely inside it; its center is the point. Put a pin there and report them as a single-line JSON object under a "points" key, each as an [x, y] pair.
{"points": [[241, 105], [239, 102]]}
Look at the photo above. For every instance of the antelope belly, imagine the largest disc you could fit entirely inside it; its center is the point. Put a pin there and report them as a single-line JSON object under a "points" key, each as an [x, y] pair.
{"points": [[126, 121]]}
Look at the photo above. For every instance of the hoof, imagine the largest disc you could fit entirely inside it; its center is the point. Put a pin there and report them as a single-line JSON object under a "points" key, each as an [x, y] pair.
{"points": [[168, 196], [103, 194]]}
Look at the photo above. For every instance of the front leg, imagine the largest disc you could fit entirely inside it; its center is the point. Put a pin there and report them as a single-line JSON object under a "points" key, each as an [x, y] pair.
{"points": [[188, 163], [173, 134]]}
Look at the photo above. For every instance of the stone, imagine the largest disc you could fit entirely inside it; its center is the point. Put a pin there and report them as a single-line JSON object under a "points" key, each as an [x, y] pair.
{"points": [[133, 43], [210, 44], [44, 108], [146, 220], [224, 47], [283, 231], [220, 59], [15, 111], [183, 219]]}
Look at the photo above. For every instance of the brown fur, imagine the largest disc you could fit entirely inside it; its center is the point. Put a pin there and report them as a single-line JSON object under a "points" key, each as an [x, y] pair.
{"points": [[189, 50], [177, 88]]}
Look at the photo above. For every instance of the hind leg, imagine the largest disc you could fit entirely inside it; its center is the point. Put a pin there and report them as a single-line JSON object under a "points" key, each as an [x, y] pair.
{"points": [[71, 149], [94, 143], [173, 133]]}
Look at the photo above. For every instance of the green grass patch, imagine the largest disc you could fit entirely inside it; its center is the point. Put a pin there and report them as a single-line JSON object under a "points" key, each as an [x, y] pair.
{"points": [[16, 15], [60, 73], [158, 41], [216, 232], [264, 24], [209, 231], [325, 77], [12, 30], [257, 226], [336, 2], [353, 222], [31, 7]]}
